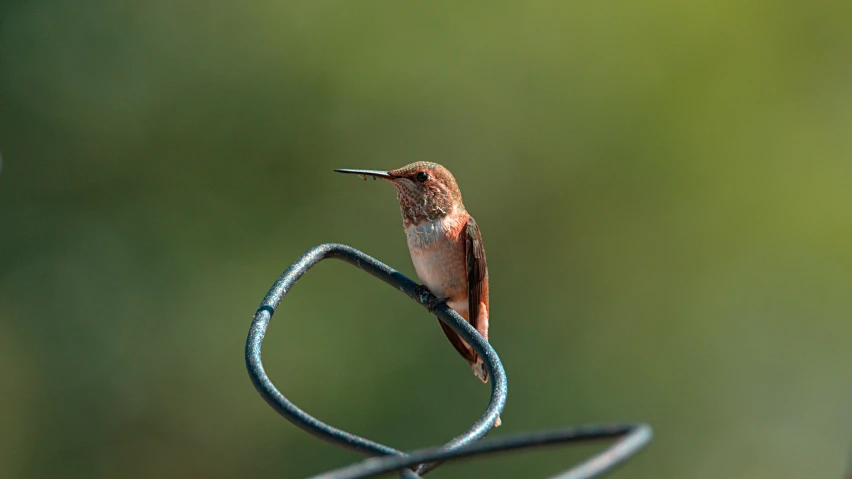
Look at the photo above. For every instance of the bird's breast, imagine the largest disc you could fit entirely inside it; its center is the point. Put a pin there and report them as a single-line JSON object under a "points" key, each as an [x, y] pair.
{"points": [[439, 259]]}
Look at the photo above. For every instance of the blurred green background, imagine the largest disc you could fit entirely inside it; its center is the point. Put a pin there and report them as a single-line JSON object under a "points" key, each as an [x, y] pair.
{"points": [[664, 191]]}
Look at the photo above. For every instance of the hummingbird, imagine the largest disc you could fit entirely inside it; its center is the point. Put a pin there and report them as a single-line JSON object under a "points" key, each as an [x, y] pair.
{"points": [[445, 246]]}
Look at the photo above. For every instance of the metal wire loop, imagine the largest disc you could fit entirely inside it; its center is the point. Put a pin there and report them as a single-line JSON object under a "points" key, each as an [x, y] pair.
{"points": [[412, 465]]}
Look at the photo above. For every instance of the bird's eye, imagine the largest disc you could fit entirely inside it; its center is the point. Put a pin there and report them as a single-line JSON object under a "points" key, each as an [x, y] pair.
{"points": [[422, 177]]}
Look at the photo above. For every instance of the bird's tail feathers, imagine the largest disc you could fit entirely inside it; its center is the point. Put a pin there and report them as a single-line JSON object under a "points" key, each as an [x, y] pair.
{"points": [[479, 370]]}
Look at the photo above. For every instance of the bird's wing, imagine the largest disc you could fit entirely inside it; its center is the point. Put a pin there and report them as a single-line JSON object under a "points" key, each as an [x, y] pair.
{"points": [[477, 277], [458, 343], [477, 292]]}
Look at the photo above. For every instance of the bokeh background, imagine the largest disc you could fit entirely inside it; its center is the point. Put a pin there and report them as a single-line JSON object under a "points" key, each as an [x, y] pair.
{"points": [[663, 187]]}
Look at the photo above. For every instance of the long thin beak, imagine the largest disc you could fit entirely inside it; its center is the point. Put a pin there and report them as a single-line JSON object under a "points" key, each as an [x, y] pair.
{"points": [[365, 173]]}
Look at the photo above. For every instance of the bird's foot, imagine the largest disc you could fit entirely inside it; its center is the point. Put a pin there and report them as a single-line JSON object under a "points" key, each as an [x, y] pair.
{"points": [[428, 299]]}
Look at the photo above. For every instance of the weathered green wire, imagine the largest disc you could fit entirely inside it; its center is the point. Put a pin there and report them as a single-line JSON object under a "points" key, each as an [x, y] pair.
{"points": [[634, 436]]}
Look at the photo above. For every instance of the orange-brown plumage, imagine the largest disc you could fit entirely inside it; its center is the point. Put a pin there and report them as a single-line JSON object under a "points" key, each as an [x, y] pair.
{"points": [[445, 246]]}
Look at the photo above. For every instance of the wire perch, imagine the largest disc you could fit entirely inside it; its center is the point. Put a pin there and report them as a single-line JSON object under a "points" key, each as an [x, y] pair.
{"points": [[385, 459]]}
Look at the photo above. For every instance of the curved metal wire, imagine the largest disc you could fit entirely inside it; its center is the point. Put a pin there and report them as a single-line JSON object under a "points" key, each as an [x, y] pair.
{"points": [[633, 436]]}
